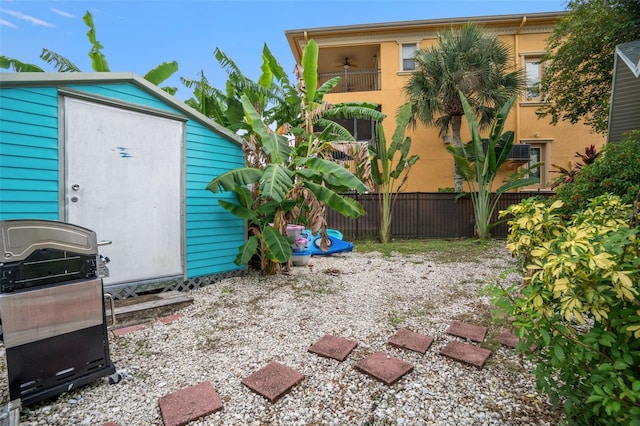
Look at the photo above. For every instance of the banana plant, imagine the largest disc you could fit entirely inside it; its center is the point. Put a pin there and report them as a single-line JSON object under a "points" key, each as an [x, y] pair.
{"points": [[293, 162], [288, 181], [99, 63], [388, 172], [479, 166]]}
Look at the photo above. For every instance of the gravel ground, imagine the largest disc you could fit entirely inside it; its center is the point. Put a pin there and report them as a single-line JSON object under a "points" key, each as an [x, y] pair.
{"points": [[238, 325]]}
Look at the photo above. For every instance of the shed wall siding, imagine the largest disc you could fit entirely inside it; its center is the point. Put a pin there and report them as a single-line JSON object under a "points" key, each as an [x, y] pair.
{"points": [[213, 235], [29, 168]]}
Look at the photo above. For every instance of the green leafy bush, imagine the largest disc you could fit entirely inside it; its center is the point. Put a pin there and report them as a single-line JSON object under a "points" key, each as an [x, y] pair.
{"points": [[616, 171], [577, 313]]}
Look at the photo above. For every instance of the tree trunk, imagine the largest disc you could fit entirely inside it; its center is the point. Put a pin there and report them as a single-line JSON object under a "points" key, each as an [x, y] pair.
{"points": [[456, 125]]}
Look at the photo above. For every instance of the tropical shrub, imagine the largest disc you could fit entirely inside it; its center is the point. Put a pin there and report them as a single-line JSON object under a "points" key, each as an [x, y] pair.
{"points": [[616, 171], [479, 166], [290, 181], [390, 167], [577, 313]]}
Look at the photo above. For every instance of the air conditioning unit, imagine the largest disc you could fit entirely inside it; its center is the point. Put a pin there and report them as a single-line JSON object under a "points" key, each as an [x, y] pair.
{"points": [[520, 153]]}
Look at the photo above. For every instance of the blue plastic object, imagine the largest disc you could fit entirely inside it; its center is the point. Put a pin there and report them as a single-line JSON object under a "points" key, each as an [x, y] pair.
{"points": [[336, 245]]}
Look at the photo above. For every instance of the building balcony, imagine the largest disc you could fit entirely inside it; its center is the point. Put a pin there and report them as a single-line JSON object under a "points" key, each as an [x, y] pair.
{"points": [[352, 80]]}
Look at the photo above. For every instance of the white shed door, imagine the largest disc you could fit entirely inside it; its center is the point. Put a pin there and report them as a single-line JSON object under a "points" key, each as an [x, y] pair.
{"points": [[123, 181]]}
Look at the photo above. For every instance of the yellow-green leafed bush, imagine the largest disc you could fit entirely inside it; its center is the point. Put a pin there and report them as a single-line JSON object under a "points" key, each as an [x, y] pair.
{"points": [[579, 305]]}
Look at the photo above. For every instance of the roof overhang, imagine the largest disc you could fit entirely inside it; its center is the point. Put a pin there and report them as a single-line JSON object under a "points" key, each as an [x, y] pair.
{"points": [[42, 79], [297, 38]]}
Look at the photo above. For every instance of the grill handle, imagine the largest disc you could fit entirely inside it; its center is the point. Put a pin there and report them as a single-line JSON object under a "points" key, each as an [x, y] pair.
{"points": [[109, 297], [104, 242]]}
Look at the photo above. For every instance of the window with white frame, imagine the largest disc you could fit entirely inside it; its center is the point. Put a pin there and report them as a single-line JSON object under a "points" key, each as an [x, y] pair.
{"points": [[408, 56], [533, 68], [536, 157]]}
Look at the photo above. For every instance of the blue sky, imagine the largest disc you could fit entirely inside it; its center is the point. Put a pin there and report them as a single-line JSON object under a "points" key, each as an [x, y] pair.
{"points": [[137, 35]]}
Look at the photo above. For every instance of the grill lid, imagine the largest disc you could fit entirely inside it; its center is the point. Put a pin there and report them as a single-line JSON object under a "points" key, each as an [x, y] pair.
{"points": [[20, 238]]}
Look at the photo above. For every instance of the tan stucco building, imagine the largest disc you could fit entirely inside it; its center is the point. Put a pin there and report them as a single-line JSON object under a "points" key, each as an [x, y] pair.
{"points": [[375, 61]]}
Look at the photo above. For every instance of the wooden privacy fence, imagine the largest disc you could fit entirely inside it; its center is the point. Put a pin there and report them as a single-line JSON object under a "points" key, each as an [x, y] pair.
{"points": [[422, 215]]}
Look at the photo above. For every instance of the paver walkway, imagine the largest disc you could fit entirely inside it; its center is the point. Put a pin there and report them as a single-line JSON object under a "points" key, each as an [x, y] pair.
{"points": [[274, 379]]}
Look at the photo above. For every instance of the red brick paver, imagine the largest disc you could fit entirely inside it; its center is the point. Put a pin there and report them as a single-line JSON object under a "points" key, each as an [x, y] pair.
{"points": [[467, 331], [508, 339], [333, 347], [411, 340], [384, 367], [196, 401], [466, 353], [273, 380]]}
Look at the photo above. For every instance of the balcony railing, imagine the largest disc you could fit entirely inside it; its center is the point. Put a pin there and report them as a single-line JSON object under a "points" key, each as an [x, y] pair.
{"points": [[353, 81]]}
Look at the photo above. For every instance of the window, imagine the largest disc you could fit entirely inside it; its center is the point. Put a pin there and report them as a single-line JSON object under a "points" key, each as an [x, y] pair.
{"points": [[408, 56], [536, 157], [533, 68]]}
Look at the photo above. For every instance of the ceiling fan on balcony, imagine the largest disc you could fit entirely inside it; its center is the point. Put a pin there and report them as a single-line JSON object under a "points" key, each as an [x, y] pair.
{"points": [[346, 64]]}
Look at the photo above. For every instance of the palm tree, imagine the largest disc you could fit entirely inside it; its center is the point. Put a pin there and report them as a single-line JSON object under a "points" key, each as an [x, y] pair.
{"points": [[469, 61]]}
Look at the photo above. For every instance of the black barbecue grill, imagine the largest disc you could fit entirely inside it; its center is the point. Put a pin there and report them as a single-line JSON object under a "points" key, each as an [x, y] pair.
{"points": [[51, 308]]}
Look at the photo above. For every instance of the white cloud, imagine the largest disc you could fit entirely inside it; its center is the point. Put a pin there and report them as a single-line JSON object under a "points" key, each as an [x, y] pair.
{"points": [[62, 13], [4, 23], [20, 15]]}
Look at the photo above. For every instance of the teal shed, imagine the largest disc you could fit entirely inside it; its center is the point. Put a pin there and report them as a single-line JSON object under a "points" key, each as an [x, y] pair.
{"points": [[115, 154]]}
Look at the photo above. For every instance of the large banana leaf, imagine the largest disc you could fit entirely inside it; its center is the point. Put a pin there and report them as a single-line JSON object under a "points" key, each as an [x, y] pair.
{"points": [[327, 86], [98, 60], [238, 177], [278, 246], [333, 131], [310, 72], [244, 197], [161, 72], [320, 178], [361, 110], [238, 210], [59, 62], [330, 168], [247, 250], [275, 182], [346, 206], [275, 145], [278, 72], [17, 66]]}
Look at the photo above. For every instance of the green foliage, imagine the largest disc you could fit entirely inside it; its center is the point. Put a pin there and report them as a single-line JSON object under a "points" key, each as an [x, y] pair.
{"points": [[578, 311], [467, 61], [389, 171], [567, 176], [615, 171], [289, 180], [17, 66], [98, 61], [479, 166], [579, 59]]}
